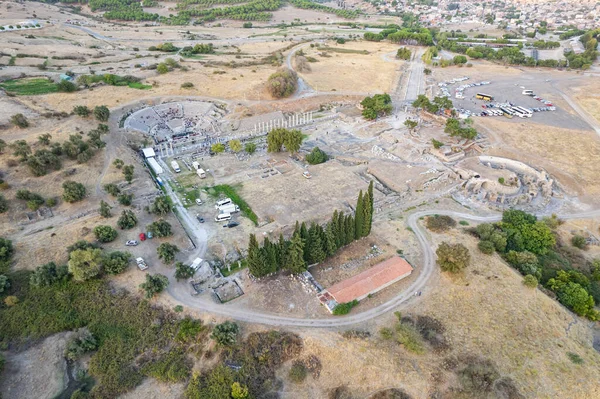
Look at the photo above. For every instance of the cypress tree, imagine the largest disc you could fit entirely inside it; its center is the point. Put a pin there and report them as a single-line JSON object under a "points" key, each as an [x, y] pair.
{"points": [[315, 251], [305, 235], [371, 208], [255, 261], [359, 215], [295, 256], [297, 228], [341, 229], [281, 251], [349, 229], [269, 256], [367, 217], [330, 245], [335, 229]]}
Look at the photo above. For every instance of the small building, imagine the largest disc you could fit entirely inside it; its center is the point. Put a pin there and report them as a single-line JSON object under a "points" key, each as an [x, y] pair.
{"points": [[148, 152], [371, 280]]}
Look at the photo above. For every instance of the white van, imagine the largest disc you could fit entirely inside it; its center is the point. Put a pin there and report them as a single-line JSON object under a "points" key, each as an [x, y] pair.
{"points": [[220, 203], [221, 217], [528, 93]]}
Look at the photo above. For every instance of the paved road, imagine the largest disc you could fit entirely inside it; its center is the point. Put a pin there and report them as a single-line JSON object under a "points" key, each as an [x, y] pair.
{"points": [[415, 84], [181, 291]]}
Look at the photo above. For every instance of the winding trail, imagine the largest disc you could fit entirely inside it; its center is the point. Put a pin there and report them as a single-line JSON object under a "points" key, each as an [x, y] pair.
{"points": [[181, 292]]}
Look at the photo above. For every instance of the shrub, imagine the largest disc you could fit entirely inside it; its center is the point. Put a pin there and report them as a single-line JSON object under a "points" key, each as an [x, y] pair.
{"points": [[189, 329], [128, 173], [487, 247], [19, 120], [101, 113], [282, 83], [4, 283], [452, 257], [316, 156], [80, 344], [66, 86], [187, 85], [11, 301], [81, 110], [217, 148], [235, 145], [530, 281], [575, 358], [127, 220], [125, 199], [579, 241], [172, 367], [440, 223], [386, 333], [73, 191], [105, 233], [344, 308], [161, 205], [225, 334], [154, 284], [436, 144], [409, 338], [105, 210], [247, 25], [3, 204], [112, 189], [297, 372]]}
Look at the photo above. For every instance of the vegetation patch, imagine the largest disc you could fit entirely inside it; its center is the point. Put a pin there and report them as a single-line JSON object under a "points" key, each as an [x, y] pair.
{"points": [[29, 86], [231, 192]]}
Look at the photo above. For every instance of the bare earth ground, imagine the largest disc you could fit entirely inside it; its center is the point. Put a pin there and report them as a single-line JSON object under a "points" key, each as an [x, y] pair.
{"points": [[351, 72], [38, 372], [587, 95]]}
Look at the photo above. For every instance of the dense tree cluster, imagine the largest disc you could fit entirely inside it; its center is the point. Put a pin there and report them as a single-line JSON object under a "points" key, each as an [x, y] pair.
{"points": [[255, 10], [454, 127], [316, 156], [529, 245], [543, 44], [199, 48], [312, 5], [403, 53], [313, 244], [280, 137], [378, 105], [282, 83], [395, 34], [438, 104]]}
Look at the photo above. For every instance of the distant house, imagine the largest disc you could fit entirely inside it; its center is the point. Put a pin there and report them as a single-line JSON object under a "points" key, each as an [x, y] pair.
{"points": [[371, 280]]}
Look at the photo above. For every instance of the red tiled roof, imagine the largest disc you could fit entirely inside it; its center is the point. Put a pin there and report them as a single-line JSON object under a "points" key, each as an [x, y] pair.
{"points": [[370, 280]]}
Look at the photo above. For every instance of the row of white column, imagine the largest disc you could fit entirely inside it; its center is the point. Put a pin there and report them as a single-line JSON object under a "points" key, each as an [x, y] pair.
{"points": [[292, 121]]}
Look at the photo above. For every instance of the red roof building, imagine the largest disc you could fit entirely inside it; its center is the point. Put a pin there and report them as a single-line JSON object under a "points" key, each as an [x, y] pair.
{"points": [[371, 280]]}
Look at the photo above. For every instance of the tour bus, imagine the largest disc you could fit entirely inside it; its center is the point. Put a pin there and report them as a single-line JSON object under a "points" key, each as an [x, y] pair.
{"points": [[485, 97], [224, 201], [528, 93], [523, 109], [221, 217], [521, 114], [507, 112]]}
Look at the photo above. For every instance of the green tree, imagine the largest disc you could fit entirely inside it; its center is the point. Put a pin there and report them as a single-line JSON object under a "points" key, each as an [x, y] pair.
{"points": [[73, 191], [4, 283], [250, 148], [316, 156], [452, 257], [295, 255], [160, 228], [293, 141], [166, 252], [85, 264], [127, 220], [217, 148], [225, 334], [125, 199], [436, 144], [235, 145], [81, 110], [255, 258], [162, 68], [315, 249], [410, 124], [154, 284], [48, 274], [66, 86], [359, 217], [105, 233], [116, 262], [21, 149], [487, 247], [573, 295], [282, 83], [403, 53], [112, 189], [105, 210], [161, 206], [524, 261], [579, 241], [101, 113], [182, 271], [6, 253], [128, 173], [3, 204]]}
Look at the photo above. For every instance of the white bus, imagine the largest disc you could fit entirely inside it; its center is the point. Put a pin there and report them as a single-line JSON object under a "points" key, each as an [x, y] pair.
{"points": [[523, 109], [521, 114], [528, 93]]}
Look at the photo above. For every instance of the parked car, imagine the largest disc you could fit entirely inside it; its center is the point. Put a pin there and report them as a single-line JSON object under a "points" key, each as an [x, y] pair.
{"points": [[131, 243], [200, 219], [306, 174], [198, 201], [141, 263], [149, 235], [231, 224], [142, 237]]}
